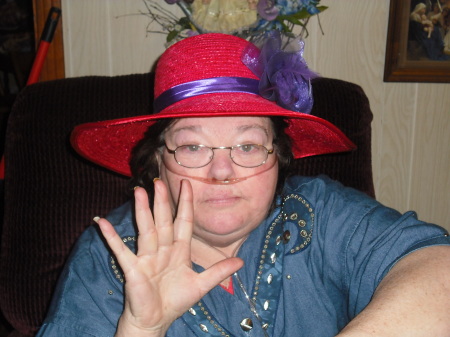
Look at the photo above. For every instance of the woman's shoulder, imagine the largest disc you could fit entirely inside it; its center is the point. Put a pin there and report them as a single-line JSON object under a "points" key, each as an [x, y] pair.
{"points": [[122, 220], [90, 250], [91, 274], [322, 186], [328, 198]]}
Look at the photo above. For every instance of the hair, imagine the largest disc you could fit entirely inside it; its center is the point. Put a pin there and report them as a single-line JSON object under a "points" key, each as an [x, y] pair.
{"points": [[144, 163], [419, 7]]}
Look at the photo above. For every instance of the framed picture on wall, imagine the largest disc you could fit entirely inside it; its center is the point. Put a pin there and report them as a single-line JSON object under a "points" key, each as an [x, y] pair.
{"points": [[418, 41]]}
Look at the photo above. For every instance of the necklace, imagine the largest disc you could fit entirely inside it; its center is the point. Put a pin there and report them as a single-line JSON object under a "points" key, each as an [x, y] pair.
{"points": [[252, 305], [247, 323]]}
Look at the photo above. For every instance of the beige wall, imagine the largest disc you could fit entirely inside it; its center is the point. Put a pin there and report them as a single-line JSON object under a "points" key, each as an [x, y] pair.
{"points": [[411, 128]]}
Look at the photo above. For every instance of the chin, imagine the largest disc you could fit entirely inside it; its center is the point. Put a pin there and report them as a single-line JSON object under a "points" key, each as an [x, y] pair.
{"points": [[223, 231]]}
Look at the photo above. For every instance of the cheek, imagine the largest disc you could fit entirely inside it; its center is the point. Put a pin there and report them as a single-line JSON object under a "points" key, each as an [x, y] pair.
{"points": [[260, 190], [266, 184], [173, 184]]}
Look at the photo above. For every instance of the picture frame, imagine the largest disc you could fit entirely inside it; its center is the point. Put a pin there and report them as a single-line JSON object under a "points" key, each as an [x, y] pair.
{"points": [[410, 45]]}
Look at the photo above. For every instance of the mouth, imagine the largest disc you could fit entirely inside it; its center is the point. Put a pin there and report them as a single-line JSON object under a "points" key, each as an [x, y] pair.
{"points": [[225, 200], [219, 182]]}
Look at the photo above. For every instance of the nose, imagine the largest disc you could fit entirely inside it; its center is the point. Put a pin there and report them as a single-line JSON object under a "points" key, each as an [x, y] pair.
{"points": [[221, 167]]}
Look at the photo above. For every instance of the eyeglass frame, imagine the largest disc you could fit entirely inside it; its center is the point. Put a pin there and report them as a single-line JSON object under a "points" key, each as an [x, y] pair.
{"points": [[212, 148]]}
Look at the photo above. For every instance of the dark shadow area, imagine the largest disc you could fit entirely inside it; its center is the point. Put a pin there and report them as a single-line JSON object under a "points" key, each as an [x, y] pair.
{"points": [[16, 57]]}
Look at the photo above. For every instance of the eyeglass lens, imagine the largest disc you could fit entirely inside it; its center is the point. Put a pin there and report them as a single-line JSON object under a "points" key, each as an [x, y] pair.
{"points": [[246, 155]]}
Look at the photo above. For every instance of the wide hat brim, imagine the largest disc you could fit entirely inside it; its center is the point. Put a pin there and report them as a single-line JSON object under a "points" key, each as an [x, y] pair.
{"points": [[110, 143], [199, 58]]}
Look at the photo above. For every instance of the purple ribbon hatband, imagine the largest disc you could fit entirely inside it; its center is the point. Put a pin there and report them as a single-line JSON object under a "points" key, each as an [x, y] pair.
{"points": [[205, 86]]}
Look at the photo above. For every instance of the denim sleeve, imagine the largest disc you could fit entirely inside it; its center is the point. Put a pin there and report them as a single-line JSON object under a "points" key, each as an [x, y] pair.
{"points": [[377, 243], [56, 329], [358, 240]]}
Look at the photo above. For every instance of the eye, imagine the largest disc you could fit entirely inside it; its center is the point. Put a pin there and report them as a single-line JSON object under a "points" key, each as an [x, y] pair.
{"points": [[248, 148], [192, 148]]}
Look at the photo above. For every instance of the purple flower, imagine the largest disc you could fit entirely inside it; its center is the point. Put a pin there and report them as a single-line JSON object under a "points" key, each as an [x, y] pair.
{"points": [[267, 10], [284, 76]]}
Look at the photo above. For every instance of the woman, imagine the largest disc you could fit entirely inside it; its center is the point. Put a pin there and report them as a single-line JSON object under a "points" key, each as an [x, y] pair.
{"points": [[231, 247], [419, 15]]}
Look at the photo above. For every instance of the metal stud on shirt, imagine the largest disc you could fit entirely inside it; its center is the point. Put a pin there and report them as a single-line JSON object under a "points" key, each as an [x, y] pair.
{"points": [[246, 324], [286, 236]]}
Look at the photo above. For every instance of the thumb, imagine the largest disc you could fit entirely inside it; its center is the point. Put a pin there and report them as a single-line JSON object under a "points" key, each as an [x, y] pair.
{"points": [[218, 272]]}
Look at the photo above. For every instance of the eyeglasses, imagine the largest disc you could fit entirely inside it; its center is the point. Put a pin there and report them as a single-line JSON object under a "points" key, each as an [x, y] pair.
{"points": [[245, 155]]}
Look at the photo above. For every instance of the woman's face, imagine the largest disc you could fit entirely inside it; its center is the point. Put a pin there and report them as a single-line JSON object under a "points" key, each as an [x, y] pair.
{"points": [[224, 213]]}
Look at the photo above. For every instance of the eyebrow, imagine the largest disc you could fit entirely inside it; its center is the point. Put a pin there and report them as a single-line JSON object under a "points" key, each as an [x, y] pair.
{"points": [[195, 128], [198, 128], [254, 126]]}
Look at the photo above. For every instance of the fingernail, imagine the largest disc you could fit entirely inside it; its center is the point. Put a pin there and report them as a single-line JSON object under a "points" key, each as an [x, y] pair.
{"points": [[135, 187], [96, 219], [155, 179]]}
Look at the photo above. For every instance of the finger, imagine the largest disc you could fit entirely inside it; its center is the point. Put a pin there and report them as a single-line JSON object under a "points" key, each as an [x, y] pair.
{"points": [[163, 215], [123, 254], [184, 222], [218, 272], [148, 237]]}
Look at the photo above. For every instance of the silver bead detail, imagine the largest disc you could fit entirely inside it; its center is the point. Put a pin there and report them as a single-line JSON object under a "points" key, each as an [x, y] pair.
{"points": [[278, 240], [192, 311], [269, 279], [273, 257], [266, 305], [286, 236], [203, 328], [246, 324]]}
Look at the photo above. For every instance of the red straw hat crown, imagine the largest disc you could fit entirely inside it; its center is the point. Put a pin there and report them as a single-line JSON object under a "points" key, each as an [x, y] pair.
{"points": [[199, 57], [209, 56], [203, 76]]}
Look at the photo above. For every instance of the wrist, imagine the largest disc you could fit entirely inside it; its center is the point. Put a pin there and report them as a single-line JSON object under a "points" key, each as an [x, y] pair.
{"points": [[126, 329]]}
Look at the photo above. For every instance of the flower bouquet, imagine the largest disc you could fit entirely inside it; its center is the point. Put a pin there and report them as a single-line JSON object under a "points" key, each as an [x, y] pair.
{"points": [[285, 76], [249, 19]]}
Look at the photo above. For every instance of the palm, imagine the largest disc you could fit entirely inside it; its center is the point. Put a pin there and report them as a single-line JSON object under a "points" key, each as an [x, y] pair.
{"points": [[160, 283]]}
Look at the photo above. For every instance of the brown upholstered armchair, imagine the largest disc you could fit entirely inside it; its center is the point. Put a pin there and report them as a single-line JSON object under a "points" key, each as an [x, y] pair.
{"points": [[51, 194]]}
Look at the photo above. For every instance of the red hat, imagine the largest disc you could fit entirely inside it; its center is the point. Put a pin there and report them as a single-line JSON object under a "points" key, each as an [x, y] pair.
{"points": [[203, 76]]}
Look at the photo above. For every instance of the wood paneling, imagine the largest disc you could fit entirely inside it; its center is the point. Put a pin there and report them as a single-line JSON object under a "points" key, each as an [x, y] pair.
{"points": [[411, 127], [109, 37], [430, 167]]}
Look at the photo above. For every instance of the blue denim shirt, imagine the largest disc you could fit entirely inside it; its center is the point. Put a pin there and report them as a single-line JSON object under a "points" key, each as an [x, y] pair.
{"points": [[310, 268]]}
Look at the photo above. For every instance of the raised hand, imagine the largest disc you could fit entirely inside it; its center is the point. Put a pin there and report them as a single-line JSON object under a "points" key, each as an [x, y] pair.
{"points": [[160, 284]]}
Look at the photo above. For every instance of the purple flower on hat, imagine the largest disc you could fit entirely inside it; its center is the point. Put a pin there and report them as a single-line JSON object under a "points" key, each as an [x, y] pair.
{"points": [[267, 9], [284, 75]]}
